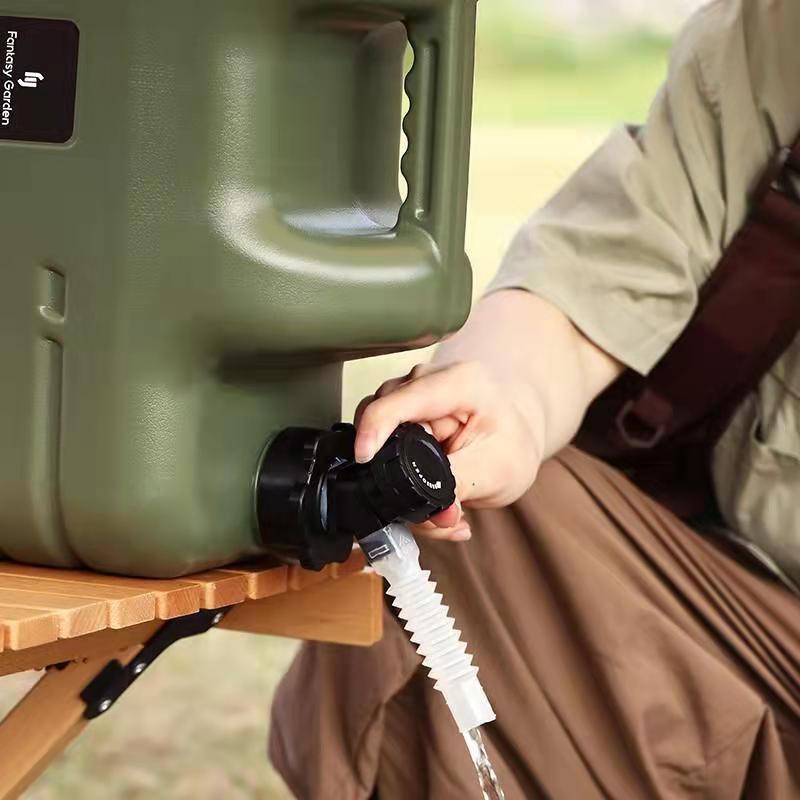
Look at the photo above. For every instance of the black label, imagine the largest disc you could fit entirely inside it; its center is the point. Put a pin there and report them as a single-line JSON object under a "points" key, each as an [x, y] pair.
{"points": [[39, 61]]}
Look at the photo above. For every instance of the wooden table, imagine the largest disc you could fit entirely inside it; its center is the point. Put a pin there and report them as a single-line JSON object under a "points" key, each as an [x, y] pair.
{"points": [[94, 634]]}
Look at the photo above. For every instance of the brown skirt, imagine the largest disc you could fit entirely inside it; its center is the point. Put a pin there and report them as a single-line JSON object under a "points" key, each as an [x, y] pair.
{"points": [[626, 657]]}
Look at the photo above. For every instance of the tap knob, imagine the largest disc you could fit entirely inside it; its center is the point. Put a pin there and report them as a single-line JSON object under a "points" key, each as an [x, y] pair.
{"points": [[409, 479], [312, 498]]}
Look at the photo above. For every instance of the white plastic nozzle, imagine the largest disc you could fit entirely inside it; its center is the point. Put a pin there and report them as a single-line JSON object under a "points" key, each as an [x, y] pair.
{"points": [[394, 554]]}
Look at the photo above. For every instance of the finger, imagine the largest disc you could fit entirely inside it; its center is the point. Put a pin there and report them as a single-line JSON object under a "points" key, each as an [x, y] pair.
{"points": [[421, 528], [420, 370], [417, 371], [446, 428], [360, 408], [460, 533], [464, 436], [448, 518], [433, 396], [387, 387]]}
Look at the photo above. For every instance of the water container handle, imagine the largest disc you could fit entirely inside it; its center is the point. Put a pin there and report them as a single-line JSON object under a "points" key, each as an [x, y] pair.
{"points": [[341, 295], [437, 125]]}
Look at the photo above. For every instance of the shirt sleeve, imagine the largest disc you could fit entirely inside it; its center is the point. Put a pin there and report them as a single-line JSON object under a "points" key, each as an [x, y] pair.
{"points": [[623, 247]]}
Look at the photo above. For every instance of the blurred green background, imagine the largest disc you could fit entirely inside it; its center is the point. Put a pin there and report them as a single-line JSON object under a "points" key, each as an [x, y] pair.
{"points": [[551, 80], [537, 72]]}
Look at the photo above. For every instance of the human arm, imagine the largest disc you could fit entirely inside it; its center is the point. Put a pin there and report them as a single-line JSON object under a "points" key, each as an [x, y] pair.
{"points": [[623, 248], [499, 405]]}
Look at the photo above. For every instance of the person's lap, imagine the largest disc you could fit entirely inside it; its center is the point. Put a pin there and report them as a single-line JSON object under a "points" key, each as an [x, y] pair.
{"points": [[625, 656]]}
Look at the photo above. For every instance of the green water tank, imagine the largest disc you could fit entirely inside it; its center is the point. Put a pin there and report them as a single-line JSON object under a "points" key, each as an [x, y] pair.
{"points": [[200, 221]]}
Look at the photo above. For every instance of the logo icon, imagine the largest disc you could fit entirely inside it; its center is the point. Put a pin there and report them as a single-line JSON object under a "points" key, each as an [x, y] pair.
{"points": [[31, 80]]}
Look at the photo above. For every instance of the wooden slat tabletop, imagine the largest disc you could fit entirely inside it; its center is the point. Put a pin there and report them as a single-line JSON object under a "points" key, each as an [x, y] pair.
{"points": [[39, 605]]}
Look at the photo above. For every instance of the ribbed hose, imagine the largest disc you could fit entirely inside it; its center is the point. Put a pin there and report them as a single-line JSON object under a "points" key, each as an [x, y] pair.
{"points": [[431, 629], [394, 554]]}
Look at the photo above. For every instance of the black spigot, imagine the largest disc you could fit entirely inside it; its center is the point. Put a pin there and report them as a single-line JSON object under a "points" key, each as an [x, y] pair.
{"points": [[312, 498]]}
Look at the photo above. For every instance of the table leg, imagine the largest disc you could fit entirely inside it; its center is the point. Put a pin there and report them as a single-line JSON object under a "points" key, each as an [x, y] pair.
{"points": [[45, 721]]}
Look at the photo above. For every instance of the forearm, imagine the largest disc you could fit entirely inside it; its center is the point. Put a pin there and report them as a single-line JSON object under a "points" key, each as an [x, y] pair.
{"points": [[551, 371]]}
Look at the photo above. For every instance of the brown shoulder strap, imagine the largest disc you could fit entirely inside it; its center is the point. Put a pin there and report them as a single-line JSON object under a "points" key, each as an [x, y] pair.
{"points": [[747, 316]]}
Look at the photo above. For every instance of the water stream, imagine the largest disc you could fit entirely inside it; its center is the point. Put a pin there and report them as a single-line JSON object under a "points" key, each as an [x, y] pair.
{"points": [[486, 774]]}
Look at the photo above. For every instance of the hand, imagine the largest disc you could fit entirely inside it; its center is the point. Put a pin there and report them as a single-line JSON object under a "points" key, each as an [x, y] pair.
{"points": [[494, 448]]}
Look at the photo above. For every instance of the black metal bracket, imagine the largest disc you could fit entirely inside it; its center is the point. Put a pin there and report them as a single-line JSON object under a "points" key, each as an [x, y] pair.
{"points": [[109, 684], [785, 173]]}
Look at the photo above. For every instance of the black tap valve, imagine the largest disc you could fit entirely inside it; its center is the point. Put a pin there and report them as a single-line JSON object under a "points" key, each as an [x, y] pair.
{"points": [[312, 498]]}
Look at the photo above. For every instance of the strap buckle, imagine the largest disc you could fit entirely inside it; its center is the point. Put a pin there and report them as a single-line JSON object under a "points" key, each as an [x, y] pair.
{"points": [[786, 175], [636, 432]]}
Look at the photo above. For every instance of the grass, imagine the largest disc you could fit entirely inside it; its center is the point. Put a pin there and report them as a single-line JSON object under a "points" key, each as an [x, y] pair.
{"points": [[529, 71], [192, 728], [562, 98], [195, 725]]}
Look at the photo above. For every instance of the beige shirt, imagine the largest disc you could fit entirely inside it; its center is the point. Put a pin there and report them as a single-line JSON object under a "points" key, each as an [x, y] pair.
{"points": [[624, 245]]}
